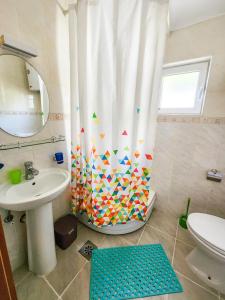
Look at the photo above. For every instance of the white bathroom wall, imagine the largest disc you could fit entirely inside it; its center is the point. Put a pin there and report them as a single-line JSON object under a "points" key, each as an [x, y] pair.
{"points": [[187, 146], [204, 39], [42, 25]]}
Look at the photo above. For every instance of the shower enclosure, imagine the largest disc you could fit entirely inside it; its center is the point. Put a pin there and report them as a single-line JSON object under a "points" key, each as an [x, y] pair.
{"points": [[116, 53]]}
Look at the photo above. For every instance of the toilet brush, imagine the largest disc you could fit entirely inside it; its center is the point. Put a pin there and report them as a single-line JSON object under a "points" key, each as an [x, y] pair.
{"points": [[183, 218]]}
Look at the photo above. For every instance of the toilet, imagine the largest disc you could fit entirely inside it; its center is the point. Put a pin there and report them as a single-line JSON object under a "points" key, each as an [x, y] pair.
{"points": [[207, 260]]}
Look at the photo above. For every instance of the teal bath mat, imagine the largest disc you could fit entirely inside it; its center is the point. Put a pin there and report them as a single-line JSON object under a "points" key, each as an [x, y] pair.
{"points": [[131, 272]]}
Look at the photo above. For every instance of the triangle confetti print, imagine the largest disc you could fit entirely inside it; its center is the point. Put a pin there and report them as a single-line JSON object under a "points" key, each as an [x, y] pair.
{"points": [[107, 194]]}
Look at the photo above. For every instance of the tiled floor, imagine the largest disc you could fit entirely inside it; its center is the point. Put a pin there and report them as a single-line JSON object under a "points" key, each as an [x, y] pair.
{"points": [[70, 279]]}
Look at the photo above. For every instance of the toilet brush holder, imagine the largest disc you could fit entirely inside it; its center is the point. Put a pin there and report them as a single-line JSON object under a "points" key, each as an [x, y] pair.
{"points": [[183, 218]]}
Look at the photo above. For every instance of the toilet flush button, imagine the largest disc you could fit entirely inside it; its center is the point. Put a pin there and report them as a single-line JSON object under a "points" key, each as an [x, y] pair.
{"points": [[214, 175]]}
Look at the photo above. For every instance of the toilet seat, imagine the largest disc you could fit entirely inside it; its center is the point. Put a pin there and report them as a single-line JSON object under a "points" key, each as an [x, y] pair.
{"points": [[208, 246], [208, 229]]}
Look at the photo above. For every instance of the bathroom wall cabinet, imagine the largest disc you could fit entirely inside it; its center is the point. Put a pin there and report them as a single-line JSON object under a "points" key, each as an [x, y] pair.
{"points": [[7, 287]]}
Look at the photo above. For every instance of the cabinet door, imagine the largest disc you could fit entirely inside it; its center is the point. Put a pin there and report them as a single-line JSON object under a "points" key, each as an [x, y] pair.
{"points": [[7, 288]]}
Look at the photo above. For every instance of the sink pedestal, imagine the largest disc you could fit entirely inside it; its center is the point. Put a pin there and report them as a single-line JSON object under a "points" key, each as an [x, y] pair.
{"points": [[40, 239], [35, 197]]}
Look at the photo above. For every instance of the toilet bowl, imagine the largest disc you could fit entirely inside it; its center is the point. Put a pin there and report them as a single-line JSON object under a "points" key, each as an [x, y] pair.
{"points": [[207, 260]]}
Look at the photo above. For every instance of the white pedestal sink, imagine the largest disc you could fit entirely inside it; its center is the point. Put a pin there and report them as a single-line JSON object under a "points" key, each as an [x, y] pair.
{"points": [[35, 197]]}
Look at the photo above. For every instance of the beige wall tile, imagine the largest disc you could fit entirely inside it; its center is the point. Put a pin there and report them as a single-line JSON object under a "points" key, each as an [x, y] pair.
{"points": [[183, 155]]}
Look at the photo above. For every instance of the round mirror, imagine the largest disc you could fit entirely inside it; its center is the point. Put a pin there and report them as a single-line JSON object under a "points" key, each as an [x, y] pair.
{"points": [[24, 102]]}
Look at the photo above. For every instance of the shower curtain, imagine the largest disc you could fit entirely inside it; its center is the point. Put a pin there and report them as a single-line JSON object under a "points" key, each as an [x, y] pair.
{"points": [[116, 52]]}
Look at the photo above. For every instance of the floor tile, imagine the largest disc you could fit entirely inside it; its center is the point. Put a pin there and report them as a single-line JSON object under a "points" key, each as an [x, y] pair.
{"points": [[20, 273], [69, 263], [154, 236], [79, 288], [133, 237], [34, 288], [192, 292], [114, 241], [180, 264], [84, 233], [164, 221], [184, 236], [106, 240], [72, 272], [222, 296]]}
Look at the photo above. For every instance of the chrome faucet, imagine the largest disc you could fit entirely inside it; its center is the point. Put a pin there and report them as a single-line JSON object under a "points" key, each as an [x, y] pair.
{"points": [[30, 172]]}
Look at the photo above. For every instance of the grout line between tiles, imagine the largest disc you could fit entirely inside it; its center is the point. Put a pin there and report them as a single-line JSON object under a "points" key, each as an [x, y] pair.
{"points": [[204, 288], [175, 243], [186, 243], [49, 284], [140, 236], [220, 296], [24, 277], [69, 284], [163, 232], [176, 235], [183, 242]]}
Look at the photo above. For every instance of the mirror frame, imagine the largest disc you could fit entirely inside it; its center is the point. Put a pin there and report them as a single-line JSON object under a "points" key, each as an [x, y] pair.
{"points": [[26, 60]]}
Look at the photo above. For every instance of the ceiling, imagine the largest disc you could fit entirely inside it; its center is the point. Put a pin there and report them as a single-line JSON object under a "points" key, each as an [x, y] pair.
{"points": [[184, 13]]}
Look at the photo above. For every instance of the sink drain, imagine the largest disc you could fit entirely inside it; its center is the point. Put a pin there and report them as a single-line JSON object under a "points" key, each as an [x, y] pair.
{"points": [[86, 249]]}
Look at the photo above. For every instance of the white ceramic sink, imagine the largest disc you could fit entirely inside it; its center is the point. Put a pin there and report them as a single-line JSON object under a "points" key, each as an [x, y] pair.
{"points": [[35, 197], [33, 193]]}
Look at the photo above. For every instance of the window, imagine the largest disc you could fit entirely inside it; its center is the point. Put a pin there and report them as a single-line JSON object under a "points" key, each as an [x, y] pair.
{"points": [[183, 87]]}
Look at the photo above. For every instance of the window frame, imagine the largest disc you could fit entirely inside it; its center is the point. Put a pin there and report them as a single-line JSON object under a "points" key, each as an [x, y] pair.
{"points": [[183, 67]]}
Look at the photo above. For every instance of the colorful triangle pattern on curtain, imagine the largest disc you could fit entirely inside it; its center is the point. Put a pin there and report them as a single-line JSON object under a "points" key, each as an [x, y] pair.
{"points": [[110, 195]]}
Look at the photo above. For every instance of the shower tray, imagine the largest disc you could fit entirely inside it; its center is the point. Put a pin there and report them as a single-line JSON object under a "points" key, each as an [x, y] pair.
{"points": [[130, 226]]}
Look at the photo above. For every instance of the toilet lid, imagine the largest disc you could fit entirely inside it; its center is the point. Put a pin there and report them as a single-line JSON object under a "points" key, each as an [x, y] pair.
{"points": [[208, 227]]}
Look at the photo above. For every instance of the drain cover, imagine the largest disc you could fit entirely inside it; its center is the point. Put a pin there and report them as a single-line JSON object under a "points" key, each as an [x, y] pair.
{"points": [[86, 249]]}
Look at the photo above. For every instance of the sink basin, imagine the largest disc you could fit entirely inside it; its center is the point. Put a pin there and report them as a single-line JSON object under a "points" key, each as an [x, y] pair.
{"points": [[46, 186], [35, 197]]}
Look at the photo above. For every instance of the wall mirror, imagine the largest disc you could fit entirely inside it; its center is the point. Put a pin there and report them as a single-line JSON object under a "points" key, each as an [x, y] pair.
{"points": [[24, 101]]}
